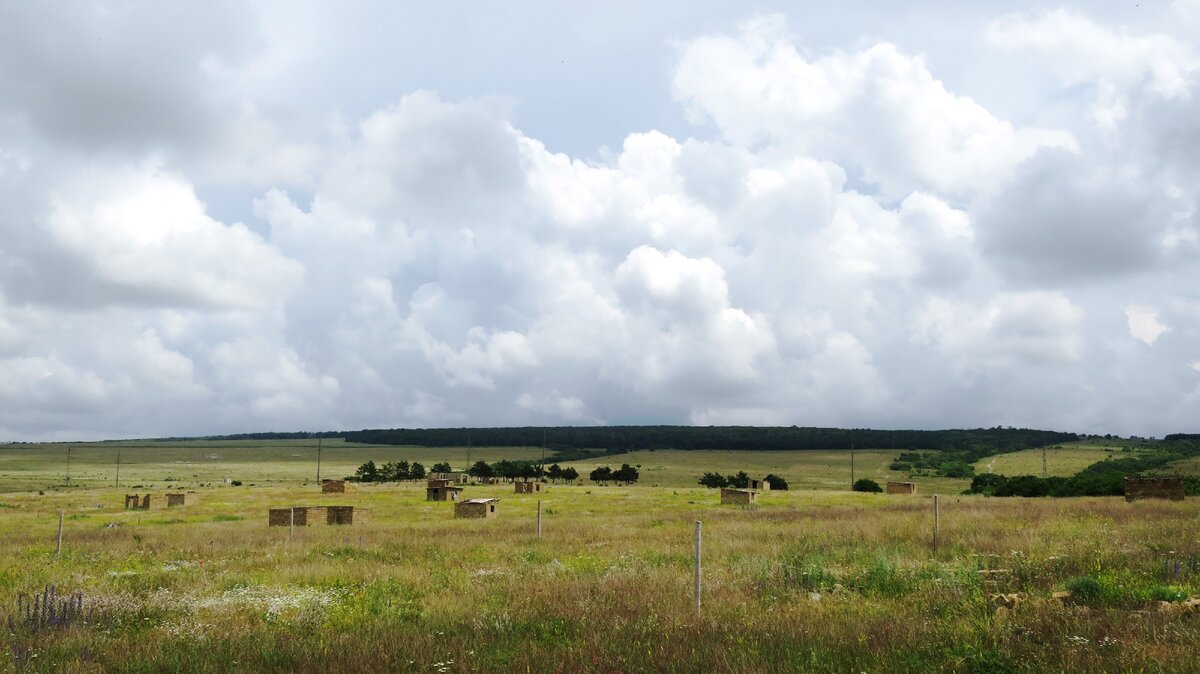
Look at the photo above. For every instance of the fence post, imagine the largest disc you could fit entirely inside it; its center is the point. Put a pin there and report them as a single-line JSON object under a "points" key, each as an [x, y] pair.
{"points": [[697, 588], [58, 548], [935, 522], [539, 519]]}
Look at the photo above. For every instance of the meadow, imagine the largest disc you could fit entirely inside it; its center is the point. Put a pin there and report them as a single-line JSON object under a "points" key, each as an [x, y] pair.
{"points": [[807, 580], [1061, 460]]}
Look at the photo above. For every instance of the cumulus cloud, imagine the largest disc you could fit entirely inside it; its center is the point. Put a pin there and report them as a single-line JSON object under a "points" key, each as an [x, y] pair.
{"points": [[843, 236], [1083, 52], [878, 110], [1144, 324], [1013, 329]]}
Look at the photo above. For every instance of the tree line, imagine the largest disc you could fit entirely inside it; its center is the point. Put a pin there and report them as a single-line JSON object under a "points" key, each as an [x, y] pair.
{"points": [[740, 481], [771, 438]]}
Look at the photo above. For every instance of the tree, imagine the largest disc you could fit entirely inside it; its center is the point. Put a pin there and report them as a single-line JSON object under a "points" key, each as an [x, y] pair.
{"points": [[626, 473], [714, 480], [416, 471], [554, 472], [393, 472], [441, 467], [602, 474], [367, 473], [481, 469], [570, 474], [867, 485], [507, 469], [739, 481], [776, 482]]}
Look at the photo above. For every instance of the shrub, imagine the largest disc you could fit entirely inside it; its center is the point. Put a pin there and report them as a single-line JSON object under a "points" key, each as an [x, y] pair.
{"points": [[901, 466], [777, 483], [1168, 593], [867, 486], [1086, 590]]}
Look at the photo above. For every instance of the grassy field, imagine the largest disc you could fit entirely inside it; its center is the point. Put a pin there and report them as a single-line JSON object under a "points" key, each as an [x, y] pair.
{"points": [[1063, 460], [809, 469], [808, 580], [188, 464]]}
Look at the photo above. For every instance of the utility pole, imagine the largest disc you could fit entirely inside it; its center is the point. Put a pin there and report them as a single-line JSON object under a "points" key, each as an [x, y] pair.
{"points": [[543, 464], [1044, 474], [118, 465], [68, 466], [469, 452], [318, 460], [852, 465]]}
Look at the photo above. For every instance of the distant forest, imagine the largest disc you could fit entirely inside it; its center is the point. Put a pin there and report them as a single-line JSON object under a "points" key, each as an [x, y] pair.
{"points": [[983, 441]]}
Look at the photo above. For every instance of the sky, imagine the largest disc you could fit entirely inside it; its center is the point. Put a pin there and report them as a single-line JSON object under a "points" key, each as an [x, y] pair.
{"points": [[279, 215]]}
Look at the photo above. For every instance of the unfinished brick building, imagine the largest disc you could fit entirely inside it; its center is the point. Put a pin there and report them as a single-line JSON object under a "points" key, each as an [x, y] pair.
{"points": [[901, 487], [333, 486], [146, 502], [527, 487], [738, 496], [760, 485], [476, 508], [307, 516], [444, 491], [1138, 488], [187, 498]]}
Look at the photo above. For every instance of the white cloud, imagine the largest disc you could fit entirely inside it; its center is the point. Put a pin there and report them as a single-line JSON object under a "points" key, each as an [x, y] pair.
{"points": [[851, 234], [1012, 329], [1144, 324], [1081, 51], [877, 110], [145, 235]]}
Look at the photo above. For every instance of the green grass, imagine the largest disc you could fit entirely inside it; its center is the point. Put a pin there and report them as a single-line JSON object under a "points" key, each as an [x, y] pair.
{"points": [[187, 464], [811, 580], [808, 469], [1063, 460]]}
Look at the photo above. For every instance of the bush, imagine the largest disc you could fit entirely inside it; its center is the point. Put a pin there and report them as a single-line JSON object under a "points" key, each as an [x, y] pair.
{"points": [[901, 466], [1086, 590], [1168, 593], [867, 486]]}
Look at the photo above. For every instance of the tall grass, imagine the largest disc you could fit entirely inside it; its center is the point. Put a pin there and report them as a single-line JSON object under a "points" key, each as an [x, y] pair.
{"points": [[807, 581]]}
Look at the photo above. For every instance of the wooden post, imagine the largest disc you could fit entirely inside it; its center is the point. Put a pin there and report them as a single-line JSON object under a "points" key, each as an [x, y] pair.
{"points": [[935, 522], [58, 548], [697, 588], [539, 518]]}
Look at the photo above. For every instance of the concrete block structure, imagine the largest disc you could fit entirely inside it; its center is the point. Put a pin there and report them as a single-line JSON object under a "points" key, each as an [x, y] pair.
{"points": [[307, 516], [1139, 488], [527, 487], [333, 486], [901, 487], [444, 492], [760, 485], [184, 499], [476, 508], [146, 502], [738, 496]]}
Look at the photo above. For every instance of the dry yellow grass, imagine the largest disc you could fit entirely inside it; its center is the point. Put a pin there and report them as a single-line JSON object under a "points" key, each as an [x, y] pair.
{"points": [[210, 587]]}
